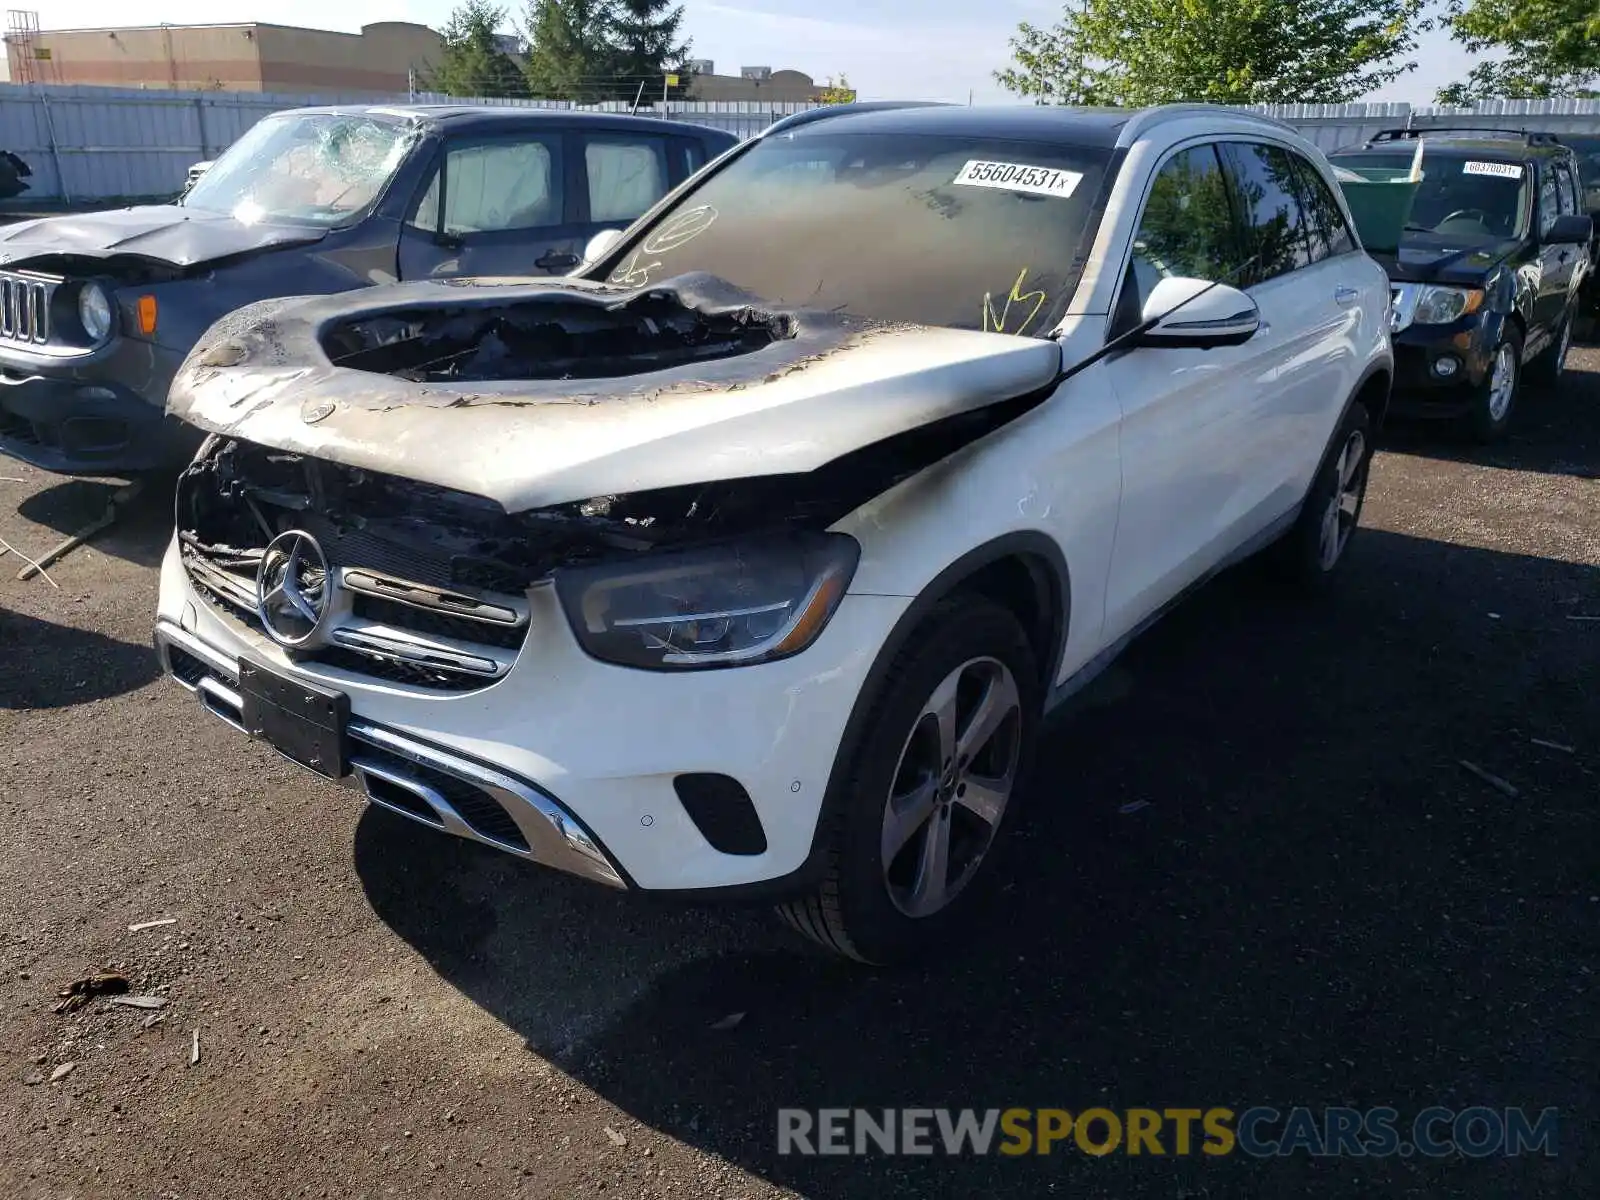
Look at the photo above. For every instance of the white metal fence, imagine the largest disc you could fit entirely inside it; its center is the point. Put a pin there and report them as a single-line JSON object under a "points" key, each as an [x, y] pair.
{"points": [[94, 143]]}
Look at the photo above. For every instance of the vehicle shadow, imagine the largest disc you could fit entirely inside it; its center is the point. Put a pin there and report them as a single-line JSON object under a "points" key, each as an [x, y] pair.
{"points": [[1556, 431], [1255, 873], [45, 665], [142, 527]]}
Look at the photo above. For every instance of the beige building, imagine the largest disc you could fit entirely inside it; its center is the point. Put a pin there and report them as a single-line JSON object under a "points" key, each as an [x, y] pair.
{"points": [[752, 83], [252, 57]]}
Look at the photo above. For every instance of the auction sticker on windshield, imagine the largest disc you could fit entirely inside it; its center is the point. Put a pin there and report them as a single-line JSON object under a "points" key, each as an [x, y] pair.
{"points": [[1019, 177], [1499, 170]]}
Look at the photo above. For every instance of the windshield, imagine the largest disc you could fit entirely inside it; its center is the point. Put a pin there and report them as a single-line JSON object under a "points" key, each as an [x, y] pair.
{"points": [[933, 230], [1461, 199], [306, 168]]}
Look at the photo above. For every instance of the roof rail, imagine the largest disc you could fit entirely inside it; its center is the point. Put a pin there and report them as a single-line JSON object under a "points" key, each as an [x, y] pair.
{"points": [[812, 115], [1141, 119], [1529, 137]]}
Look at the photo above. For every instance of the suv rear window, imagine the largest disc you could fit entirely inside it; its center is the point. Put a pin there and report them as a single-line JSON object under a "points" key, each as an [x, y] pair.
{"points": [[935, 230]]}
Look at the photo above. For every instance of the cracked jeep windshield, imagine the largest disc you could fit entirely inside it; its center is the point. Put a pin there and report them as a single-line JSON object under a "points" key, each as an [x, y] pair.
{"points": [[952, 231], [310, 168]]}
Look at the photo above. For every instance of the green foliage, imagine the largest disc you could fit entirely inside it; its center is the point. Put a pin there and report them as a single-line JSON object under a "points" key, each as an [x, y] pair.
{"points": [[837, 91], [590, 50], [472, 63], [1139, 52], [1552, 48]]}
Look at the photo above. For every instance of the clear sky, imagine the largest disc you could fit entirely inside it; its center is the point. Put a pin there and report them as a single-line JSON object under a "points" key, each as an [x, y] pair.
{"points": [[889, 49]]}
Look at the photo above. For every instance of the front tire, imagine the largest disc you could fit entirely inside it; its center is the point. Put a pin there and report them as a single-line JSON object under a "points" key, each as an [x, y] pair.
{"points": [[1494, 403], [923, 802]]}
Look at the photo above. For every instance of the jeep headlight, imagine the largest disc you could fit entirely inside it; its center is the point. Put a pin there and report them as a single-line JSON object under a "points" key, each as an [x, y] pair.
{"points": [[94, 311], [1442, 305], [723, 606]]}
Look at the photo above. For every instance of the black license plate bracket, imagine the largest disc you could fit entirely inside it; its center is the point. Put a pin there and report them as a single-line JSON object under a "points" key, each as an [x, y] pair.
{"points": [[304, 722]]}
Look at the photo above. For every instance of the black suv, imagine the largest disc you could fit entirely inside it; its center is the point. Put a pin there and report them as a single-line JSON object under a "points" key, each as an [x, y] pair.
{"points": [[97, 311], [1486, 279]]}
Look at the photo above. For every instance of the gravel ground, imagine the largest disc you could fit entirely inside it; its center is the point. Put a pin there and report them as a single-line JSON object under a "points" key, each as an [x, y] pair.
{"points": [[1317, 906]]}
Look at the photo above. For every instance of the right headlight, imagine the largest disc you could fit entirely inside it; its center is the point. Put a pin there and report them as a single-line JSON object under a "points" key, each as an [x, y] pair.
{"points": [[94, 311], [722, 606], [1441, 305]]}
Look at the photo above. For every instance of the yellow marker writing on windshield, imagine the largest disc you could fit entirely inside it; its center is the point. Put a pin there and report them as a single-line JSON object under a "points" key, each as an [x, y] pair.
{"points": [[994, 322]]}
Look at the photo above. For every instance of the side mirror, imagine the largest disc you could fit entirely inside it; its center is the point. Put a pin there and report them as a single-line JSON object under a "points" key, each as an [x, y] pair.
{"points": [[1223, 316], [599, 244], [1570, 230]]}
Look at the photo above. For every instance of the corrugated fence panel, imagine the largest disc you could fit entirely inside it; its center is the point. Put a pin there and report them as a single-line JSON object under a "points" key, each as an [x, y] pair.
{"points": [[93, 143]]}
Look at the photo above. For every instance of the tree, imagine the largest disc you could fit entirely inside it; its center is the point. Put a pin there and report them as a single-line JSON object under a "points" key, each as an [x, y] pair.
{"points": [[1552, 48], [472, 63], [644, 39], [837, 92], [570, 52], [1138, 52]]}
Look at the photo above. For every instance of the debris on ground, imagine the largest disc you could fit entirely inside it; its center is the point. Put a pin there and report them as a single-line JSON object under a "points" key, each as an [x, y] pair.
{"points": [[119, 499], [140, 1001], [619, 1140], [1133, 807], [152, 1020], [32, 568], [152, 924], [194, 1049], [33, 1078], [1553, 746], [731, 1021], [1494, 781], [62, 1071], [80, 992]]}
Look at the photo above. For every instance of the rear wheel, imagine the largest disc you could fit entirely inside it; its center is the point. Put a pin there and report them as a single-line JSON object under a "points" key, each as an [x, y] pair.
{"points": [[928, 794], [1314, 547], [1495, 401]]}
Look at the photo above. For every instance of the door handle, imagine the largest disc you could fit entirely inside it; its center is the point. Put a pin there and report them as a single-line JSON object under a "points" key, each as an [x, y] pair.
{"points": [[1346, 296], [557, 260]]}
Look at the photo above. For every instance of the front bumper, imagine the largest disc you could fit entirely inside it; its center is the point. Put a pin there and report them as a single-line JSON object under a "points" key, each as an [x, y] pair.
{"points": [[1419, 389], [99, 414], [572, 748]]}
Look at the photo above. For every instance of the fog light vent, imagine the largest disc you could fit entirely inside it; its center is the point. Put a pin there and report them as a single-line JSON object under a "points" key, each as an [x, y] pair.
{"points": [[723, 813]]}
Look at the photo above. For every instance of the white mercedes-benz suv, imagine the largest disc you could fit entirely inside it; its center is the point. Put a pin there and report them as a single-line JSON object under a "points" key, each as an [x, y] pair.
{"points": [[748, 559]]}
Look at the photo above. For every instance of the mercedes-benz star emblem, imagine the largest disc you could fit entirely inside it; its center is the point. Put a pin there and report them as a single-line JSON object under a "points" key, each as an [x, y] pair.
{"points": [[292, 590]]}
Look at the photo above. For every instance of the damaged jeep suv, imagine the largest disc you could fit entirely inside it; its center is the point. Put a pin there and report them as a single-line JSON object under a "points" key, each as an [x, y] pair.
{"points": [[748, 560]]}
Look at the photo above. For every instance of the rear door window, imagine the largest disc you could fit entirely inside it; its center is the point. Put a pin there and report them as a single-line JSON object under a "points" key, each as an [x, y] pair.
{"points": [[626, 175], [1267, 190], [1326, 230]]}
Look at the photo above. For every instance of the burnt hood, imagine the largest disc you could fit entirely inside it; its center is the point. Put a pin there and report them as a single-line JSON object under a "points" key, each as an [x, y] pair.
{"points": [[534, 393], [1425, 260], [163, 233]]}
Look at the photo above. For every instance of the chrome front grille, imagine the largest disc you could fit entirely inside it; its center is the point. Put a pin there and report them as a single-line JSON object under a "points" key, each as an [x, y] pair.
{"points": [[25, 307], [402, 638]]}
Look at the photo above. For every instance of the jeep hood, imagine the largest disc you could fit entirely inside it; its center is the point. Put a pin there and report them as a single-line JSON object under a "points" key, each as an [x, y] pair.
{"points": [[540, 393], [162, 233]]}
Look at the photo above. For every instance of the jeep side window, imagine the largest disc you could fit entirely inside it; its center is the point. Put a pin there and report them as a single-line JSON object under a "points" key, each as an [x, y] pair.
{"points": [[626, 176], [1566, 193], [1187, 228], [1325, 223], [1264, 183], [494, 186]]}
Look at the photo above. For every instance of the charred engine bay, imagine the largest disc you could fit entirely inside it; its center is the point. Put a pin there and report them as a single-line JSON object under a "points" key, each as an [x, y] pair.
{"points": [[555, 336], [234, 500]]}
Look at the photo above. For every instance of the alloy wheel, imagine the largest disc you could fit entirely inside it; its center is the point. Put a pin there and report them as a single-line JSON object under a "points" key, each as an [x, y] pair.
{"points": [[955, 776], [1503, 382], [1344, 508]]}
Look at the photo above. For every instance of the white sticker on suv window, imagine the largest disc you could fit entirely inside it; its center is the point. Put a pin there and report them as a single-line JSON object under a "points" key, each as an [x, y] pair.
{"points": [[1019, 177], [1499, 170]]}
